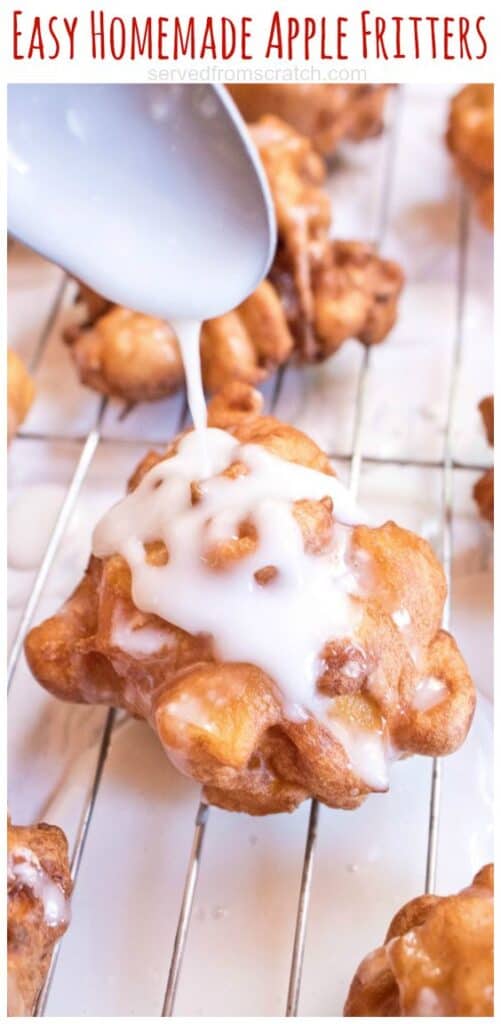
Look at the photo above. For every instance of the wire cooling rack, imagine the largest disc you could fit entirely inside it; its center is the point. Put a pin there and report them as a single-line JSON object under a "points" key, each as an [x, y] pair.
{"points": [[94, 439]]}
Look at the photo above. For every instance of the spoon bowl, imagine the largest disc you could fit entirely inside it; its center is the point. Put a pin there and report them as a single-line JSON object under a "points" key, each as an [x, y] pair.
{"points": [[153, 195]]}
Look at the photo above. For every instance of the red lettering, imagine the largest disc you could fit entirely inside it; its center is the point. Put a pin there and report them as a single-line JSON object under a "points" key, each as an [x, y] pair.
{"points": [[366, 32], [310, 29], [246, 34], [97, 34], [341, 36], [291, 36], [16, 34], [228, 38], [380, 27], [480, 56], [398, 55], [432, 22], [71, 27], [448, 37], [117, 38], [141, 44], [36, 41], [208, 41], [275, 36], [464, 28], [416, 20], [184, 45], [324, 52], [53, 34], [162, 38]]}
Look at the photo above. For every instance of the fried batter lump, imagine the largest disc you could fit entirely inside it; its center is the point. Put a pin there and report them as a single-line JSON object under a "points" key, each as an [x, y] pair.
{"points": [[136, 357], [38, 909], [126, 354], [483, 491], [470, 138], [361, 669], [325, 114], [354, 295], [331, 291], [20, 392], [296, 176], [247, 344], [437, 959]]}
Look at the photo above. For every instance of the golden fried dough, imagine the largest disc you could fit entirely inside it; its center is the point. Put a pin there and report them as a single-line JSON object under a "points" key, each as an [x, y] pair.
{"points": [[486, 409], [354, 295], [483, 491], [20, 392], [137, 358], [437, 959], [296, 175], [331, 291], [247, 344], [326, 114], [127, 354], [470, 138], [38, 893], [225, 723]]}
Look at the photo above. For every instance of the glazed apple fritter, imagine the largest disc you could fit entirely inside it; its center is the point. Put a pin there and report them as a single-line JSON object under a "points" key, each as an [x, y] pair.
{"points": [[296, 175], [483, 491], [470, 138], [20, 392], [330, 290], [437, 959], [325, 114], [398, 680], [355, 295], [38, 892]]}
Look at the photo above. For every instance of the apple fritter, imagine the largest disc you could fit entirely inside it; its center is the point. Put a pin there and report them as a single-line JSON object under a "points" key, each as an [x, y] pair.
{"points": [[325, 114], [437, 959], [470, 138], [387, 680], [38, 909], [20, 392], [354, 295]]}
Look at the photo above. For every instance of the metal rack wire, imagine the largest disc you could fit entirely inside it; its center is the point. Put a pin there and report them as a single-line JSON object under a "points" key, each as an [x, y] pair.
{"points": [[89, 446]]}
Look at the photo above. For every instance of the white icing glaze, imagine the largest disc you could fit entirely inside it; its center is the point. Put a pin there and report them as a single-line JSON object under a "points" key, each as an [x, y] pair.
{"points": [[428, 1004], [366, 751], [401, 618], [192, 711], [429, 692], [24, 869], [188, 336], [142, 642], [283, 626]]}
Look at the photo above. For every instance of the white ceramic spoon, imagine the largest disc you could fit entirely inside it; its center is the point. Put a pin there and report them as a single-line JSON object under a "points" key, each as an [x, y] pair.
{"points": [[153, 195]]}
